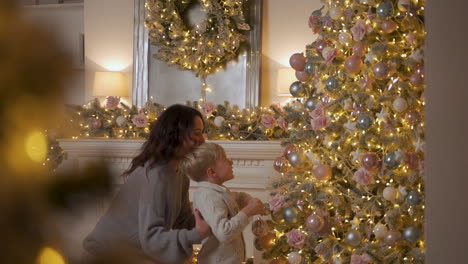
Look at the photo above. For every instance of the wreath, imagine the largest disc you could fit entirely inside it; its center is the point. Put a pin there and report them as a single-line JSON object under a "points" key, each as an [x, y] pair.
{"points": [[203, 49]]}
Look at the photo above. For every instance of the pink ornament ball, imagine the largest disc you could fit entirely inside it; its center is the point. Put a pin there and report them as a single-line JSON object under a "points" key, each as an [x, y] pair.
{"points": [[413, 117], [353, 64], [370, 161], [381, 70], [392, 238], [281, 164], [419, 68], [288, 150], [96, 123], [302, 76], [323, 172], [416, 79], [359, 49], [315, 223], [388, 26], [297, 61], [320, 45]]}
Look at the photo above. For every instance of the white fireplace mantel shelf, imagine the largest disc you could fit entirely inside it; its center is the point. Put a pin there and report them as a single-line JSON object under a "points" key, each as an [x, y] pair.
{"points": [[252, 160]]}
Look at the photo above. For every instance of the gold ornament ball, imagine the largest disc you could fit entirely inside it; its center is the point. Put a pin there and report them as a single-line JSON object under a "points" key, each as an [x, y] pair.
{"points": [[266, 241]]}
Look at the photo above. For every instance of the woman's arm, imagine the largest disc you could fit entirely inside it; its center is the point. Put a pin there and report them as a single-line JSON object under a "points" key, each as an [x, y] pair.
{"points": [[157, 240], [186, 219]]}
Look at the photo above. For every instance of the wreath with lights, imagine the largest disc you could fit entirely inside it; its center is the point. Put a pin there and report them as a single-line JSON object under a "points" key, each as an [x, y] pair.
{"points": [[202, 49]]}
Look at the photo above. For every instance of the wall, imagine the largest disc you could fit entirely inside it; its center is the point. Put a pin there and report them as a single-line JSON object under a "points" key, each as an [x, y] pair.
{"points": [[447, 131], [67, 22], [285, 31], [109, 40], [108, 26]]}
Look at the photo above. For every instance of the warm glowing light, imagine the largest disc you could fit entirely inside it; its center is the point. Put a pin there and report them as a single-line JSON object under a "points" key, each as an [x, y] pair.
{"points": [[50, 256], [36, 146]]}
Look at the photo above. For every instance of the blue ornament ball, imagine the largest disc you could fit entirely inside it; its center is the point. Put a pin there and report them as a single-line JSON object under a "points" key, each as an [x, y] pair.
{"points": [[332, 84], [310, 68], [412, 234], [391, 161], [364, 122], [385, 10], [414, 198]]}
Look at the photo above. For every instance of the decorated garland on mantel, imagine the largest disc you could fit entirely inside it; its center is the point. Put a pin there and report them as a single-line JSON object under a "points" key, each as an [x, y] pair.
{"points": [[222, 122], [203, 49], [116, 120]]}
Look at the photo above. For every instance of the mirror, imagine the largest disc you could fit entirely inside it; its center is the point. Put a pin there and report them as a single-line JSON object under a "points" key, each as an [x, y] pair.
{"points": [[239, 83]]}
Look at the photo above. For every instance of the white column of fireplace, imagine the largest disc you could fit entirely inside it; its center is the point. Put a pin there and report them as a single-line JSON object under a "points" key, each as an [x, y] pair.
{"points": [[252, 163]]}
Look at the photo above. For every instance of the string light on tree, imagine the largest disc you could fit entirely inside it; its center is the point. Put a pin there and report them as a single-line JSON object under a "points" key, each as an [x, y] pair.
{"points": [[359, 197]]}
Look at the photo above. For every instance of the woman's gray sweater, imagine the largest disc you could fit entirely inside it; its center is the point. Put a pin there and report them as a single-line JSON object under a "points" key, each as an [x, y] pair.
{"points": [[152, 214]]}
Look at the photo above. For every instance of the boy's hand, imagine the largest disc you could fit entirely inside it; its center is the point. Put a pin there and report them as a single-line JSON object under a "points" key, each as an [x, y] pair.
{"points": [[203, 228], [254, 207]]}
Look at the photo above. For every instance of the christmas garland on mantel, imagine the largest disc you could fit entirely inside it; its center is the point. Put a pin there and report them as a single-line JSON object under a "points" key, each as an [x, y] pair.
{"points": [[116, 120], [203, 49]]}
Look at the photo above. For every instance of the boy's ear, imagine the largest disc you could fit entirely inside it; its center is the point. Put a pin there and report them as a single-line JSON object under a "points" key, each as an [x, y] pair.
{"points": [[210, 172]]}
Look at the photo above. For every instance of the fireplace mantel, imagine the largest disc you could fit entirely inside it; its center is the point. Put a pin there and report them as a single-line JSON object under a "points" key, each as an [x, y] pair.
{"points": [[252, 164]]}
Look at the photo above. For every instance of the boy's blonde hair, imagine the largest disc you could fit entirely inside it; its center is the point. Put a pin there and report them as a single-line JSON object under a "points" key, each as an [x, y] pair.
{"points": [[196, 163]]}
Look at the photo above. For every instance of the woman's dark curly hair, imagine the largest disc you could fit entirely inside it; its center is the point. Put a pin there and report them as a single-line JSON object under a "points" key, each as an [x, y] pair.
{"points": [[167, 135]]}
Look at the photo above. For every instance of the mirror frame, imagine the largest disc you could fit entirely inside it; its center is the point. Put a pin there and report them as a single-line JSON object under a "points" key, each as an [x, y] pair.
{"points": [[141, 56]]}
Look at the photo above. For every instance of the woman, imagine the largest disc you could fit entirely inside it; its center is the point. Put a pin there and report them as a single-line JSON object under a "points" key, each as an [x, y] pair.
{"points": [[151, 214]]}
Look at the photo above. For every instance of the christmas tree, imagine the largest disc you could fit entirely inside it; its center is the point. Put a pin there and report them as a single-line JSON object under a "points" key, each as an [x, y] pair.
{"points": [[352, 184]]}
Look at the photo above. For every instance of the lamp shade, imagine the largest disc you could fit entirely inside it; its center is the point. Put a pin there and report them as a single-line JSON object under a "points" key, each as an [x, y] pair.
{"points": [[286, 76], [110, 84]]}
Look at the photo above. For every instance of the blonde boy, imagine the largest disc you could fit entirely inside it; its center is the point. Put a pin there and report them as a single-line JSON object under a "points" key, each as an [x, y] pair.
{"points": [[209, 166]]}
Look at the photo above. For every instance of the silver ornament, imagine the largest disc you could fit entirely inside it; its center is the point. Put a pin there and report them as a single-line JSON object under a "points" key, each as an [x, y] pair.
{"points": [[353, 238], [364, 122], [414, 198], [311, 103], [412, 234], [297, 89], [290, 215]]}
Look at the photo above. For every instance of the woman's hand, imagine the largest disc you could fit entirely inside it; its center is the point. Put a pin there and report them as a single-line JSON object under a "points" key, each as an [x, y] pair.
{"points": [[203, 228], [254, 207]]}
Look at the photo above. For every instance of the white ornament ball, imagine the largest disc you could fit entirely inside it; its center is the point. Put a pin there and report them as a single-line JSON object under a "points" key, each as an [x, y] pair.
{"points": [[389, 193], [344, 37], [335, 12], [294, 257], [380, 231], [400, 104], [121, 121], [218, 121], [402, 4]]}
